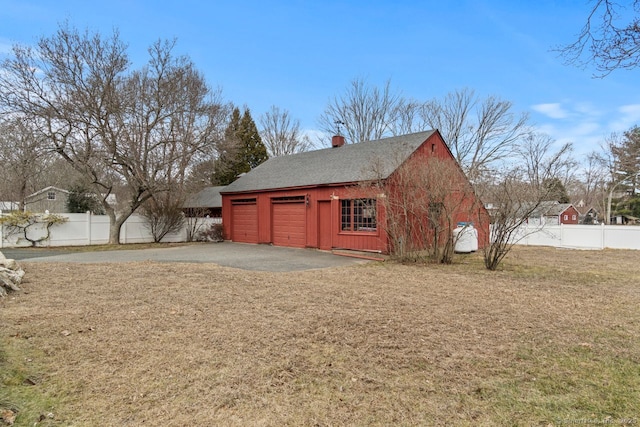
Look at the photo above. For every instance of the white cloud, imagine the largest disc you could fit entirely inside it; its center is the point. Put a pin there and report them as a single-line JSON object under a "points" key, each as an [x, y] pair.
{"points": [[627, 117], [584, 133], [552, 110], [584, 124], [586, 108]]}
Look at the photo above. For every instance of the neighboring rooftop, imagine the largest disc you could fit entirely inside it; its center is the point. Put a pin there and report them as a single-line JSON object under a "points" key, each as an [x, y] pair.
{"points": [[46, 189], [347, 164], [208, 197], [550, 208]]}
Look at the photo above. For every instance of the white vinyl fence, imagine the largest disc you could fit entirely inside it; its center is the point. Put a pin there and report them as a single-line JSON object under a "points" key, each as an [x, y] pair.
{"points": [[582, 236], [86, 229]]}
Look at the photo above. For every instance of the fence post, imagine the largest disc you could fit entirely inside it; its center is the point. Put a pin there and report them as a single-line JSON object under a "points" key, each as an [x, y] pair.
{"points": [[88, 219], [602, 235]]}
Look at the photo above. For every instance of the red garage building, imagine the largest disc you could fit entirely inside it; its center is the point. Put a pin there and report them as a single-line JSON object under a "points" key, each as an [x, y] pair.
{"points": [[313, 199]]}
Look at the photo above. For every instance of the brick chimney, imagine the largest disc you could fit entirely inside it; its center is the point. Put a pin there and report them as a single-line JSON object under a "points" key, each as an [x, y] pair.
{"points": [[337, 141]]}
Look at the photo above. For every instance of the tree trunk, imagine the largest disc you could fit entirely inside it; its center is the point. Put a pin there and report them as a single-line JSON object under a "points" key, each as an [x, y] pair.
{"points": [[114, 233], [115, 225]]}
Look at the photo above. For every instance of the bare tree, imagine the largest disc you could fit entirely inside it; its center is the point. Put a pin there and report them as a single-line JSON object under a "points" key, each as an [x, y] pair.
{"points": [[610, 38], [591, 184], [163, 214], [479, 132], [24, 160], [424, 200], [200, 173], [407, 117], [195, 221], [132, 133], [519, 192], [512, 203], [539, 162], [365, 112], [281, 134]]}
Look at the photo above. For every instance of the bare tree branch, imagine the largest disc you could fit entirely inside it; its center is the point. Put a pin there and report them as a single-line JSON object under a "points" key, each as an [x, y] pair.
{"points": [[24, 159], [365, 111], [610, 38], [479, 133], [281, 134]]}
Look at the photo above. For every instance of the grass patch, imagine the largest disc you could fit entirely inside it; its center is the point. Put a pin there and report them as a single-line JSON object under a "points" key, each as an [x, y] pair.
{"points": [[551, 339], [556, 384], [24, 399]]}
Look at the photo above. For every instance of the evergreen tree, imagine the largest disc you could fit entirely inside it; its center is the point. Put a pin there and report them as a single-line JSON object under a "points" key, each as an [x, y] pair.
{"points": [[241, 151], [81, 200], [225, 167], [626, 156], [556, 190], [254, 151]]}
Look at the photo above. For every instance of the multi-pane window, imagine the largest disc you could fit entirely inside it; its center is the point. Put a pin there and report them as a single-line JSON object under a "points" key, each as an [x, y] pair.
{"points": [[358, 215], [51, 195]]}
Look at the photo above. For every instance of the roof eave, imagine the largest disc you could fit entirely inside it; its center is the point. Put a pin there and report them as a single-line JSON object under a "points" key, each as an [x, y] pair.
{"points": [[293, 188]]}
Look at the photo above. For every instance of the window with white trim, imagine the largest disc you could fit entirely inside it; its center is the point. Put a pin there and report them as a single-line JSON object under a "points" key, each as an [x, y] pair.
{"points": [[358, 215]]}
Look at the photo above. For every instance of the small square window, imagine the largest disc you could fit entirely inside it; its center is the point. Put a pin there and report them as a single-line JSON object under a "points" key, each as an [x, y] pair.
{"points": [[51, 195]]}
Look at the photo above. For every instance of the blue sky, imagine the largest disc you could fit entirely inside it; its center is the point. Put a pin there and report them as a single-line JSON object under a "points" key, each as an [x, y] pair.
{"points": [[299, 54]]}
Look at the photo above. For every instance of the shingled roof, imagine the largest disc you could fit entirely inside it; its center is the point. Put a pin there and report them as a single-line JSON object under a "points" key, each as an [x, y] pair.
{"points": [[208, 197], [550, 208], [339, 165]]}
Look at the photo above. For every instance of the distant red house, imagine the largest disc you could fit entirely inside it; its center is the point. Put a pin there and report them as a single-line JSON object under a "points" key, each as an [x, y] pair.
{"points": [[568, 214], [313, 200], [555, 213]]}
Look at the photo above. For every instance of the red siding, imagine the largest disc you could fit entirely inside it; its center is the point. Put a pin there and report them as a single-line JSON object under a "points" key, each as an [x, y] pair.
{"points": [[319, 214], [325, 240], [281, 225]]}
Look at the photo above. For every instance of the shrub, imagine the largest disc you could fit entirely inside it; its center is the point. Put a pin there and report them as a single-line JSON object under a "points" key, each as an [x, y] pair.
{"points": [[212, 233]]}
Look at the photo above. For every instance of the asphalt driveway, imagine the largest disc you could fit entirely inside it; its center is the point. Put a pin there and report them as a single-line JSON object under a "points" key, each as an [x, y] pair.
{"points": [[238, 255]]}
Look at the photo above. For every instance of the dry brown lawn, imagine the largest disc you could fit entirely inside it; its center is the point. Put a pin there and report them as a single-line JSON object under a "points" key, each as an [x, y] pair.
{"points": [[552, 338]]}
